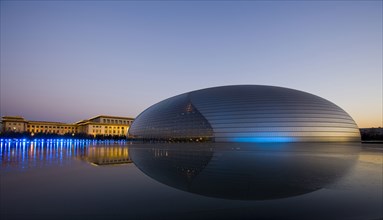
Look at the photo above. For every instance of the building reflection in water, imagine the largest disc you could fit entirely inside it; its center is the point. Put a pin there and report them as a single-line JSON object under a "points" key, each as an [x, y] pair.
{"points": [[246, 171], [23, 154], [107, 155]]}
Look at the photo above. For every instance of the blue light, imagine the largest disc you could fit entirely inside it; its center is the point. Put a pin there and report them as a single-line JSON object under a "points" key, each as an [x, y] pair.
{"points": [[263, 139]]}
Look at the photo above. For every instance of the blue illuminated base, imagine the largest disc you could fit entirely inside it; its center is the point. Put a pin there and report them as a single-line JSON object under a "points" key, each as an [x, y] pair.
{"points": [[262, 139]]}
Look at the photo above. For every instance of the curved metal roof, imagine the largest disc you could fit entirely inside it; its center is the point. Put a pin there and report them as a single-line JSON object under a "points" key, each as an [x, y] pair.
{"points": [[246, 113]]}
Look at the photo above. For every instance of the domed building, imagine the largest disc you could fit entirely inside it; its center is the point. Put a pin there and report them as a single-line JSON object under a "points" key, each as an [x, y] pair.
{"points": [[245, 113]]}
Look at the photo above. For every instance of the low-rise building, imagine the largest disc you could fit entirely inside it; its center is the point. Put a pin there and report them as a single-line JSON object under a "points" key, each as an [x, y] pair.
{"points": [[101, 125], [50, 127], [14, 124], [372, 134], [105, 125]]}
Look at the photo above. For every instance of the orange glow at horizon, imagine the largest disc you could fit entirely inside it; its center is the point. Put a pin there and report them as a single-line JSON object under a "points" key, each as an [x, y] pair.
{"points": [[368, 121]]}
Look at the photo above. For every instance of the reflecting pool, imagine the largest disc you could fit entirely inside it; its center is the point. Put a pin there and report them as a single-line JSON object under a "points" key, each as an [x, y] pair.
{"points": [[74, 179]]}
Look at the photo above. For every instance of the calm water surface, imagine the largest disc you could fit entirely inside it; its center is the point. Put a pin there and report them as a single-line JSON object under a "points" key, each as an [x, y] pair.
{"points": [[89, 180]]}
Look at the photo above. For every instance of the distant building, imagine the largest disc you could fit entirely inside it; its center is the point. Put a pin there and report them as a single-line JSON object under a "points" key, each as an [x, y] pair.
{"points": [[100, 125], [372, 134], [105, 125], [14, 124], [372, 131], [50, 127]]}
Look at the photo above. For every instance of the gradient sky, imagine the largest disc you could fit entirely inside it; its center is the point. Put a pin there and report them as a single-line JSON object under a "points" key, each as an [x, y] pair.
{"points": [[67, 61]]}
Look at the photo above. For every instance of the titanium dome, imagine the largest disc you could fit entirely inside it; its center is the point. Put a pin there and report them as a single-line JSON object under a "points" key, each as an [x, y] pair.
{"points": [[245, 113]]}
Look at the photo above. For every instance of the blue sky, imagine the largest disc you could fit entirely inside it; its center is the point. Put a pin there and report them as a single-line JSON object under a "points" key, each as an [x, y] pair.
{"points": [[67, 61]]}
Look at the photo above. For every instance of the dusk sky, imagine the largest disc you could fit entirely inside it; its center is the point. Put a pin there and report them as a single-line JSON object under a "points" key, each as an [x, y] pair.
{"points": [[68, 61]]}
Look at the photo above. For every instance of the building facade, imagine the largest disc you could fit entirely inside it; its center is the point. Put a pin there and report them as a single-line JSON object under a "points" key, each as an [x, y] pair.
{"points": [[245, 113], [14, 124], [105, 126], [97, 126], [46, 127]]}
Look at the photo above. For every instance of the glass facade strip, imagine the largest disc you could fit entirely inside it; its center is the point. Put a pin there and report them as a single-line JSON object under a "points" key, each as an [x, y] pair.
{"points": [[283, 134], [284, 124], [289, 139], [291, 120], [280, 110], [272, 129], [278, 113]]}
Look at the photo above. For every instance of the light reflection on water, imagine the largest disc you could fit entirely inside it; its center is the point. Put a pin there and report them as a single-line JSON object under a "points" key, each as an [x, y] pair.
{"points": [[246, 171], [23, 154], [186, 181]]}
